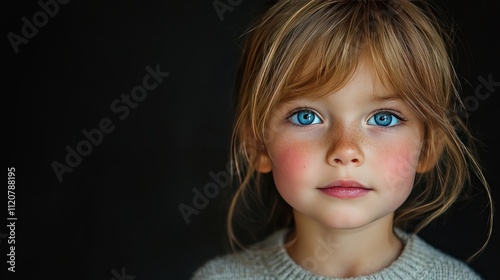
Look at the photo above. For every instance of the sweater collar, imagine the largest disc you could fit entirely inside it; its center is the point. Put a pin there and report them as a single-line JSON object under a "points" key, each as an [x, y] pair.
{"points": [[411, 262]]}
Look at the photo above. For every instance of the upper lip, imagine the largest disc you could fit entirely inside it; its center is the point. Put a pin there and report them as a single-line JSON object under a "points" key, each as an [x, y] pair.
{"points": [[345, 184]]}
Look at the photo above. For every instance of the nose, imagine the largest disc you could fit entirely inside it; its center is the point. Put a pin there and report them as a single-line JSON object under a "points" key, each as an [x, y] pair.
{"points": [[345, 147]]}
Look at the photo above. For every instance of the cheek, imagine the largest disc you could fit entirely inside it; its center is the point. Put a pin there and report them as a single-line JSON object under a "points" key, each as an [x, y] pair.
{"points": [[292, 163], [399, 167], [289, 160]]}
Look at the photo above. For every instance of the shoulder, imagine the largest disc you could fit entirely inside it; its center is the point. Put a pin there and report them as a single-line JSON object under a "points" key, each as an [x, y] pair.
{"points": [[248, 264], [425, 259]]}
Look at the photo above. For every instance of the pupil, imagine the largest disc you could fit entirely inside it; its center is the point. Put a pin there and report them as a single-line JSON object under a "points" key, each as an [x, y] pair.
{"points": [[384, 119], [306, 117]]}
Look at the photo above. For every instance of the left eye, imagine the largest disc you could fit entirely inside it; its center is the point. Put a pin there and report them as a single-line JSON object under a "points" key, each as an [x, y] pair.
{"points": [[384, 119], [305, 117]]}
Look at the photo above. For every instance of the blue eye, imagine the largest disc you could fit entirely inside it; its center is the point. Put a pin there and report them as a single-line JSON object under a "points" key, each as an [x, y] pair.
{"points": [[305, 117], [384, 119]]}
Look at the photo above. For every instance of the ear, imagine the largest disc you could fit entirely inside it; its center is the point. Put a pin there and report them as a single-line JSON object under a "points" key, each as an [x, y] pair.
{"points": [[256, 151], [263, 162], [432, 150]]}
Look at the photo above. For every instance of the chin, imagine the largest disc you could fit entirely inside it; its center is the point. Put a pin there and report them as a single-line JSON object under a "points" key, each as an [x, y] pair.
{"points": [[349, 222], [345, 225]]}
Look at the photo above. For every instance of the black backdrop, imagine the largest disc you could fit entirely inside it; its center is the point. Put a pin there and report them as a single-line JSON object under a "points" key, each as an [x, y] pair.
{"points": [[74, 71]]}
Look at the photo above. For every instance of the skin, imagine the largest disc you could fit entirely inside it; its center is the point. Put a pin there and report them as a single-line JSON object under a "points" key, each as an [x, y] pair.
{"points": [[344, 237]]}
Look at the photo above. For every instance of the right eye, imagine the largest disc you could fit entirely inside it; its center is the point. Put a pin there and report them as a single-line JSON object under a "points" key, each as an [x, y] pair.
{"points": [[304, 117]]}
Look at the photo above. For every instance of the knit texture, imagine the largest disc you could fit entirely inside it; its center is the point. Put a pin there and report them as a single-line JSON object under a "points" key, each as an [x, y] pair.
{"points": [[269, 260]]}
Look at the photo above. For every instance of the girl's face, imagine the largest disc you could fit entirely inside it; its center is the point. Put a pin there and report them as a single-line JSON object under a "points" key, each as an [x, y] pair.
{"points": [[347, 159]]}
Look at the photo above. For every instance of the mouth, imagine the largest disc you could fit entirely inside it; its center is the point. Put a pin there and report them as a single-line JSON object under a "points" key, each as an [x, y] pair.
{"points": [[345, 189]]}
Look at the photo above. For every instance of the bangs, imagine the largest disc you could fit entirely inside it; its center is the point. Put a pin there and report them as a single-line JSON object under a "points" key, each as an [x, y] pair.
{"points": [[311, 49], [322, 52], [319, 54]]}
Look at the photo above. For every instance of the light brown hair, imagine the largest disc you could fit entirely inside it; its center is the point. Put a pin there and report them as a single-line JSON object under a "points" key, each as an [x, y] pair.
{"points": [[311, 48]]}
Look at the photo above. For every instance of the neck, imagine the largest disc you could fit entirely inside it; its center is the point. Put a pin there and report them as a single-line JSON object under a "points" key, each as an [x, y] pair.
{"points": [[344, 252]]}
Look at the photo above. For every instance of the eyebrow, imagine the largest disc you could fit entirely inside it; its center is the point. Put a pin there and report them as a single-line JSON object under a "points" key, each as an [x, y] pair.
{"points": [[383, 98]]}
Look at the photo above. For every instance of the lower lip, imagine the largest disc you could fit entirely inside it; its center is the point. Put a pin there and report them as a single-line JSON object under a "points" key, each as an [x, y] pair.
{"points": [[345, 193]]}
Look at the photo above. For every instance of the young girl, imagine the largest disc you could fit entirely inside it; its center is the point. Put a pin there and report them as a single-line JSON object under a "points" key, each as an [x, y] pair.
{"points": [[352, 108]]}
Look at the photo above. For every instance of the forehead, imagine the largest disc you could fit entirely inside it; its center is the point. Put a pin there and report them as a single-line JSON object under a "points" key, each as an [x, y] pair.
{"points": [[363, 74]]}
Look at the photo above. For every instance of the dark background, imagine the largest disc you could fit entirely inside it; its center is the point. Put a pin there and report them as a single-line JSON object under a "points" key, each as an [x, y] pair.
{"points": [[116, 214]]}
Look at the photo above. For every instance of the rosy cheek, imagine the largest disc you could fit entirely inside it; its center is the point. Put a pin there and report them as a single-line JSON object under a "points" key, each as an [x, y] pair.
{"points": [[290, 163], [399, 166]]}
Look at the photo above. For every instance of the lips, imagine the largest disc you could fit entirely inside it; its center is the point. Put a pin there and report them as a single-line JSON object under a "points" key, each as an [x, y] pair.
{"points": [[345, 189]]}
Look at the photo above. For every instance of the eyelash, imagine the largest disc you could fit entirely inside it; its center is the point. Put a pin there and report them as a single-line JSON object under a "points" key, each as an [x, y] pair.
{"points": [[389, 111], [300, 109]]}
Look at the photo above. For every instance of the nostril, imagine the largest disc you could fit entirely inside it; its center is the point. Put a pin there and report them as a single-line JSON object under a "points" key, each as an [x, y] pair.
{"points": [[339, 161]]}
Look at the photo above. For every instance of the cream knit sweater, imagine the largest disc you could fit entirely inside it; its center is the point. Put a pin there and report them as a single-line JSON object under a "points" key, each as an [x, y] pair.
{"points": [[419, 260]]}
